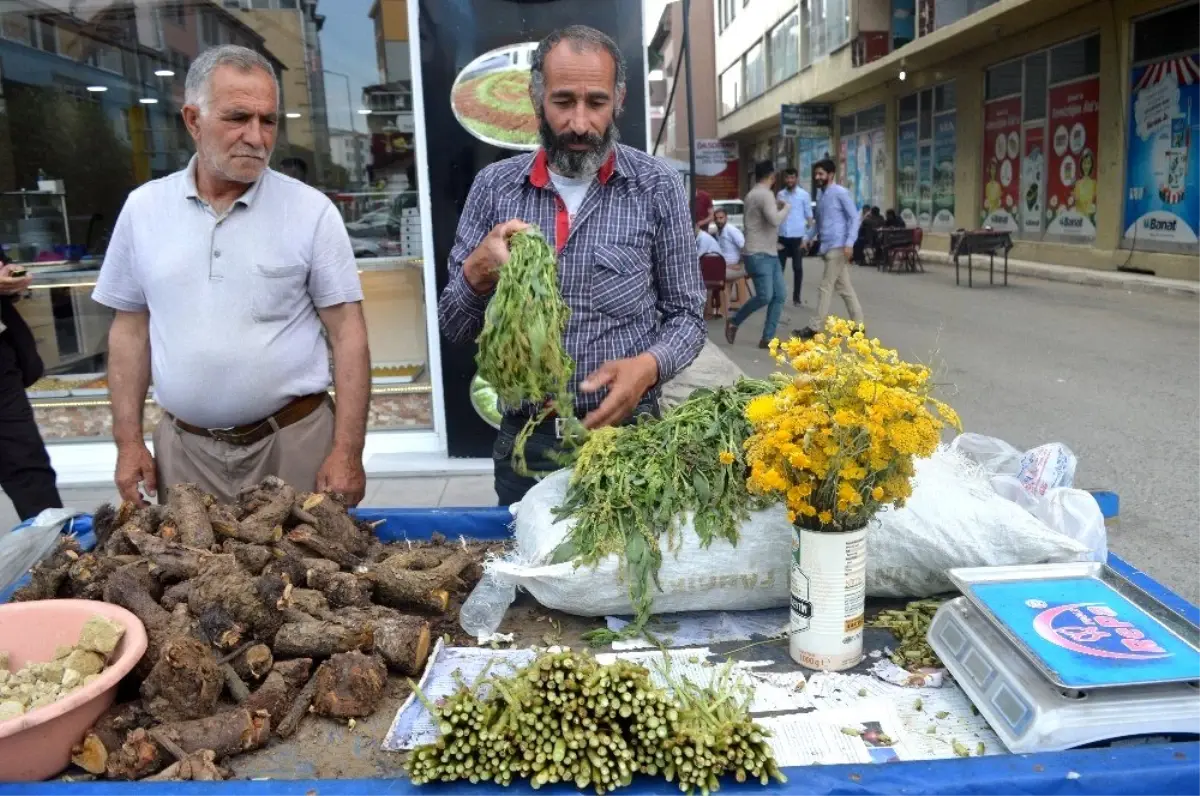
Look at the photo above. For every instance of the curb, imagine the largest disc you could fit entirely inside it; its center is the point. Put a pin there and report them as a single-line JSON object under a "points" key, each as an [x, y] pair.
{"points": [[1139, 283]]}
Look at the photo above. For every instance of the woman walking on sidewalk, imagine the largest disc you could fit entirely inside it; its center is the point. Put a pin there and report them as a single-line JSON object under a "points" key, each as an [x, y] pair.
{"points": [[764, 214], [837, 227]]}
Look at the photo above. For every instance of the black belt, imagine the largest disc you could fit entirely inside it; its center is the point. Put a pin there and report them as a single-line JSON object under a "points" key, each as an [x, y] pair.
{"points": [[553, 426]]}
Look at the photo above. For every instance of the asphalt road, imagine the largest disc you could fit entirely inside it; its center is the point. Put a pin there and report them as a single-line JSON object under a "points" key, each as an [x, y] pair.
{"points": [[1114, 375]]}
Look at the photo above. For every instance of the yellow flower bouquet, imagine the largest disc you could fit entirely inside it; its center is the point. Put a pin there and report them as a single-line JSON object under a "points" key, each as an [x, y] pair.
{"points": [[835, 443]]}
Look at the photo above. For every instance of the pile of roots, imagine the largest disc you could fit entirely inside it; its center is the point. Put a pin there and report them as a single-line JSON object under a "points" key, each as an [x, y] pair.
{"points": [[257, 613]]}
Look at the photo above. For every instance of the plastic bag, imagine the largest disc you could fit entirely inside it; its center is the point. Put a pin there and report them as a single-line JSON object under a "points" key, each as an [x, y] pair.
{"points": [[953, 519], [994, 455], [29, 544], [1075, 513]]}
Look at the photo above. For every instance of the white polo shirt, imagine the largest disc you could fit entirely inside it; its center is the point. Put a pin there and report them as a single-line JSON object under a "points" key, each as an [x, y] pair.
{"points": [[233, 298]]}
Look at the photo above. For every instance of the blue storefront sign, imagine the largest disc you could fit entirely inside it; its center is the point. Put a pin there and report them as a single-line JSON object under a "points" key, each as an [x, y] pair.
{"points": [[1162, 192]]}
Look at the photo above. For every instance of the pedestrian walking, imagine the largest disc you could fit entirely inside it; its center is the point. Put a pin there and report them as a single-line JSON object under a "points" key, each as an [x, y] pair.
{"points": [[794, 231], [838, 223], [232, 283], [25, 472], [764, 212], [626, 243]]}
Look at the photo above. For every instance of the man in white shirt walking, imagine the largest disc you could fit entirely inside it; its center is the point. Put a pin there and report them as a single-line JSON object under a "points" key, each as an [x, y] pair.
{"points": [[794, 232]]}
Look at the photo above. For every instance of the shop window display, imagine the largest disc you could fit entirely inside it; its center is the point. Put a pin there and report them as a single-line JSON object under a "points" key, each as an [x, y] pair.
{"points": [[925, 155], [89, 110]]}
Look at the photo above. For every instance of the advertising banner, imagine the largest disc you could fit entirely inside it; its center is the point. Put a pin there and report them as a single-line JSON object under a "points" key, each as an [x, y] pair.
{"points": [[1073, 159], [906, 173], [945, 144], [475, 111], [1033, 178], [925, 187], [1162, 169], [879, 170], [1001, 163], [717, 168]]}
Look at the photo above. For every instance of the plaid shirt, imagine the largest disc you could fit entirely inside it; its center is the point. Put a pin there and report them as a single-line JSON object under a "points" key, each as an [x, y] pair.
{"points": [[627, 266]]}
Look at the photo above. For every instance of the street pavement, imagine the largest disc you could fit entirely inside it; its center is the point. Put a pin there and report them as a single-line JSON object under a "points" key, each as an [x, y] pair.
{"points": [[1115, 375]]}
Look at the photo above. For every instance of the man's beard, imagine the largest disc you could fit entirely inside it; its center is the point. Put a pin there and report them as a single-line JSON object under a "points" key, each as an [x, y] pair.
{"points": [[576, 163]]}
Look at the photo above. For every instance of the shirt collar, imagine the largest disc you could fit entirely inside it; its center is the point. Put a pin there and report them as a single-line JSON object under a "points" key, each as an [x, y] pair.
{"points": [[539, 170], [191, 192]]}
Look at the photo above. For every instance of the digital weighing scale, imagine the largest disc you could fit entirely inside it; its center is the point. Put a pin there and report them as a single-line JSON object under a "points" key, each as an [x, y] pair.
{"points": [[1057, 656]]}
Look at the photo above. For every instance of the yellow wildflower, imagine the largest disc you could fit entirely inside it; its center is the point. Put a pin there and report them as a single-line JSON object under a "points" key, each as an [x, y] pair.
{"points": [[825, 517], [726, 457]]}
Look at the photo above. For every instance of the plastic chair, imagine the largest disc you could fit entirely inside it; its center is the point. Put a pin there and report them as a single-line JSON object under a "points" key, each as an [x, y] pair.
{"points": [[712, 269]]}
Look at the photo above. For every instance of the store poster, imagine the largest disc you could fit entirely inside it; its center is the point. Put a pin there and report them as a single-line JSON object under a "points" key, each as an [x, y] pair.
{"points": [[1162, 167], [862, 170], [945, 145], [1073, 159], [906, 173], [1001, 163], [481, 40], [879, 170], [717, 168], [925, 187], [844, 164], [1033, 178]]}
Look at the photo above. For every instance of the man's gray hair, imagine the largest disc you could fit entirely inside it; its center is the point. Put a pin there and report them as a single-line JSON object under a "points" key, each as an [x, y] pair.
{"points": [[581, 38], [197, 89]]}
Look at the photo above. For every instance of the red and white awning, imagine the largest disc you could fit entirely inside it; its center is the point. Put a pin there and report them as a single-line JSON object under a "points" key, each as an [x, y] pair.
{"points": [[1185, 71]]}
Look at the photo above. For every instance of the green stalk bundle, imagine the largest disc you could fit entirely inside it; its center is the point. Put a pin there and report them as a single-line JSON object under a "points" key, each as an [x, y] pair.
{"points": [[631, 484], [521, 351], [566, 718]]}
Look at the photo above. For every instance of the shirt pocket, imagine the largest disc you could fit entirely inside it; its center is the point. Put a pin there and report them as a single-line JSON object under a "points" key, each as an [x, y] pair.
{"points": [[278, 288], [621, 280]]}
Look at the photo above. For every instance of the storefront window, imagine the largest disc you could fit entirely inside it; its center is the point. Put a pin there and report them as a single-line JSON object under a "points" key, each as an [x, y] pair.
{"points": [[756, 72], [925, 153], [829, 26], [1041, 143], [784, 49], [90, 109], [1162, 166], [731, 88], [863, 156]]}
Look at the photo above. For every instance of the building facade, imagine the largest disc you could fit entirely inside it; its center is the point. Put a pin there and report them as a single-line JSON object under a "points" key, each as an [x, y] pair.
{"points": [[1072, 124], [669, 91]]}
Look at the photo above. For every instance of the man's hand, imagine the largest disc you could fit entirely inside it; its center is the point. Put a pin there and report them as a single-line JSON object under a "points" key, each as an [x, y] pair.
{"points": [[482, 266], [627, 381], [342, 473], [13, 285], [135, 466], [848, 253]]}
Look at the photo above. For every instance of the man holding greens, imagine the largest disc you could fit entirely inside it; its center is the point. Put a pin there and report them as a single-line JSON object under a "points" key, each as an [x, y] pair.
{"points": [[626, 247]]}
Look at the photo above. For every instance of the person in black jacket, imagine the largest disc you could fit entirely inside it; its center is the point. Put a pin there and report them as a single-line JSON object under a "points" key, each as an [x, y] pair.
{"points": [[25, 472]]}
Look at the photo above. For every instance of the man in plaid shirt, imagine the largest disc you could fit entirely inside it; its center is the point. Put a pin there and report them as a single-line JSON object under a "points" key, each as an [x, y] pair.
{"points": [[621, 226]]}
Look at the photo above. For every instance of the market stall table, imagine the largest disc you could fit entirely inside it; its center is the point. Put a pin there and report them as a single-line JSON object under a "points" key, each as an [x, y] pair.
{"points": [[980, 241], [343, 760]]}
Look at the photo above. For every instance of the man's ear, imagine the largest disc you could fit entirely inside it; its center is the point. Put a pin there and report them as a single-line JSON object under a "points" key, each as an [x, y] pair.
{"points": [[191, 119]]}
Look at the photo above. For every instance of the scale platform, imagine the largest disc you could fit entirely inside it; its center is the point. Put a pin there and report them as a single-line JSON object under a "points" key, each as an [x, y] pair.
{"points": [[1064, 655]]}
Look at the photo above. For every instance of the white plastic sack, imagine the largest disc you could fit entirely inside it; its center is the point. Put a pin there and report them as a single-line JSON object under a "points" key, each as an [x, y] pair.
{"points": [[1042, 468], [953, 519], [994, 455], [747, 577], [23, 548]]}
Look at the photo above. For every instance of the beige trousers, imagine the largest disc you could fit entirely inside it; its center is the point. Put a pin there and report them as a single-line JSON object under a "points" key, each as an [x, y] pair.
{"points": [[294, 453], [836, 277]]}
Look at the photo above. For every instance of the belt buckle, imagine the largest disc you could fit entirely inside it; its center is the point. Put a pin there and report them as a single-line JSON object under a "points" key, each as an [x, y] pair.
{"points": [[226, 435]]}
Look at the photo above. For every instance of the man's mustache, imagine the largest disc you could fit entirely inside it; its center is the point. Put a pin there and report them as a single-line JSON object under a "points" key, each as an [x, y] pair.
{"points": [[592, 140]]}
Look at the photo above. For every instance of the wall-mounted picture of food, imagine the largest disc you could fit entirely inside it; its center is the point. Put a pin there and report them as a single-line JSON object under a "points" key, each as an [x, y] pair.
{"points": [[490, 98]]}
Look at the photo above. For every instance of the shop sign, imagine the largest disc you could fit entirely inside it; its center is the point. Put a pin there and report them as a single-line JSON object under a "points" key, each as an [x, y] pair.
{"points": [[1033, 178], [1162, 169], [1001, 163], [717, 168], [1074, 159], [945, 143], [906, 173]]}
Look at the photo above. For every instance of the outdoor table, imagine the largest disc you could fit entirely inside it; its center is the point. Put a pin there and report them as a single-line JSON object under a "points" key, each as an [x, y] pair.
{"points": [[1133, 769], [980, 241]]}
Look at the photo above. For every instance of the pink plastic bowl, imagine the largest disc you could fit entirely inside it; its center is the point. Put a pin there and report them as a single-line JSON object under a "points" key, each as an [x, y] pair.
{"points": [[37, 745]]}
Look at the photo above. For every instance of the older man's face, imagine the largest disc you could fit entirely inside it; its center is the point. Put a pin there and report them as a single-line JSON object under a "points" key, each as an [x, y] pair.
{"points": [[236, 133], [578, 117]]}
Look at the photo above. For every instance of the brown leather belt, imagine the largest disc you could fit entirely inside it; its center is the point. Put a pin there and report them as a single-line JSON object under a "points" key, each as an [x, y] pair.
{"points": [[294, 412]]}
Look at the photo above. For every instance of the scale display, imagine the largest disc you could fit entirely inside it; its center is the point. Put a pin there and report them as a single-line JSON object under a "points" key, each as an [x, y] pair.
{"points": [[1085, 634]]}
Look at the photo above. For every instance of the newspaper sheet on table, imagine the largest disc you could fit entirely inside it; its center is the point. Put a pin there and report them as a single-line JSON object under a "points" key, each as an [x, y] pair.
{"points": [[870, 732], [694, 629]]}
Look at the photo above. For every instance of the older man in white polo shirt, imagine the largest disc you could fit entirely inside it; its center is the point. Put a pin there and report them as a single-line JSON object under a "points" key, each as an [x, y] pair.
{"points": [[224, 276]]}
